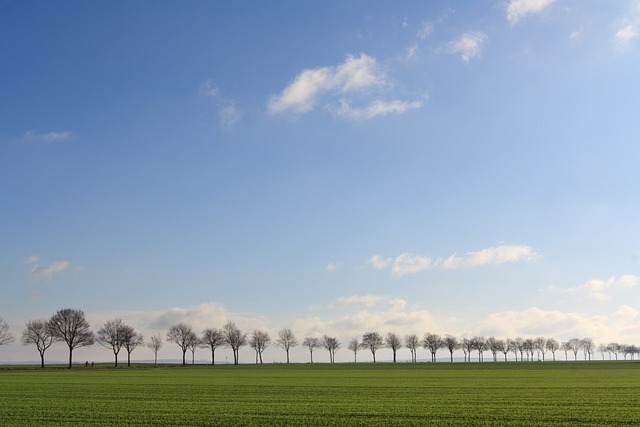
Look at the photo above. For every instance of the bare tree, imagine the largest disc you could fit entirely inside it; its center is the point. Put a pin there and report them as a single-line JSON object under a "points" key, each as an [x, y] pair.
{"points": [[132, 340], [496, 346], [574, 345], [467, 346], [394, 342], [528, 348], [506, 348], [5, 335], [71, 326], [212, 339], [433, 342], [193, 346], [566, 346], [111, 336], [287, 340], [311, 343], [479, 344], [520, 345], [373, 341], [355, 346], [155, 344], [614, 348], [451, 343], [182, 335], [512, 346], [234, 339], [412, 342], [587, 345], [332, 345], [38, 332], [259, 342], [553, 346]]}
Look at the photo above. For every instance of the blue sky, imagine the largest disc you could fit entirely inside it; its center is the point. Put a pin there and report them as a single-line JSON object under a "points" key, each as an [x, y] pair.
{"points": [[333, 167]]}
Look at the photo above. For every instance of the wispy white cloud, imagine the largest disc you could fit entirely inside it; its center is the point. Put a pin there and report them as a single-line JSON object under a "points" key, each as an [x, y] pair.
{"points": [[45, 273], [376, 108], [356, 300], [331, 267], [32, 135], [628, 26], [408, 263], [494, 255], [601, 289], [228, 113], [426, 29], [358, 79], [518, 9], [468, 45]]}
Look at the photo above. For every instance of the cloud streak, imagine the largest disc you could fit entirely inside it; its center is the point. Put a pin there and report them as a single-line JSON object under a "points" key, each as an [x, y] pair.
{"points": [[518, 9], [468, 45], [408, 263], [45, 273], [53, 136], [228, 113]]}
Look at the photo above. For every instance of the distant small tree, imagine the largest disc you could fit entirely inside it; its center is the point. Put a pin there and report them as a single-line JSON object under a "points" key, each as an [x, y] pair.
{"points": [[575, 344], [496, 346], [155, 344], [553, 346], [480, 344], [332, 345], [111, 336], [540, 346], [520, 345], [234, 338], [394, 342], [587, 345], [182, 335], [373, 341], [5, 335], [528, 348], [451, 343], [38, 332], [212, 339], [287, 340], [355, 346], [467, 346], [193, 346], [614, 348], [433, 342], [512, 346], [566, 347], [412, 342], [311, 343], [71, 326], [259, 342]]}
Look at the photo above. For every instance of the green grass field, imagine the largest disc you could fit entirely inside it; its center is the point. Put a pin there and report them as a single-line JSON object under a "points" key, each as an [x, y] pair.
{"points": [[496, 394]]}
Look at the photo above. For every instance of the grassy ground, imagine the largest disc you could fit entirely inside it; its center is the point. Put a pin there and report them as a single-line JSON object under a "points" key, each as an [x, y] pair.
{"points": [[517, 394]]}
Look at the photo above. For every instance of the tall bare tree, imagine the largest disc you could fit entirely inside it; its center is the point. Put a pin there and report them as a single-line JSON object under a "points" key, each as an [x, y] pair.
{"points": [[311, 343], [587, 345], [467, 346], [5, 335], [412, 342], [287, 340], [71, 326], [394, 342], [212, 339], [332, 345], [433, 342], [374, 342], [234, 338], [182, 335], [39, 333], [540, 346], [574, 345], [479, 344], [553, 346], [496, 346], [355, 346], [512, 347], [259, 342], [111, 336], [193, 345], [155, 344], [451, 343], [614, 348], [132, 340]]}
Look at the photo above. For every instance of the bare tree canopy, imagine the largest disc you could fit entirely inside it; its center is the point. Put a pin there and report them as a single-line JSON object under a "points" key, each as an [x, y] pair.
{"points": [[286, 340], [5, 335], [234, 339], [451, 343], [212, 339], [394, 342], [332, 345], [70, 326], [412, 342], [38, 332], [311, 343], [433, 342], [373, 341], [111, 336], [259, 342], [155, 344], [182, 335], [355, 346], [131, 340]]}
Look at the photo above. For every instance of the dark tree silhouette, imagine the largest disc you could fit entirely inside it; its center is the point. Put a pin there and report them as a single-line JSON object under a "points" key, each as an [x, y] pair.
{"points": [[433, 342], [38, 332], [451, 343], [311, 343], [70, 326], [182, 335], [132, 339], [212, 339], [332, 345], [234, 339], [111, 335], [355, 346], [5, 335], [286, 340], [155, 344], [394, 342], [412, 342], [373, 341], [259, 342]]}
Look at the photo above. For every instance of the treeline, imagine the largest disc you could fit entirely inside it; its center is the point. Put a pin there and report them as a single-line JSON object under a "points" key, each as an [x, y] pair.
{"points": [[71, 327]]}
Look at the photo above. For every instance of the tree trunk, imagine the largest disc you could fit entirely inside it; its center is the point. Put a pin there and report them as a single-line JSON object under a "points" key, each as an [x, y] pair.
{"points": [[129, 359], [70, 356], [213, 353], [184, 357], [42, 359]]}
